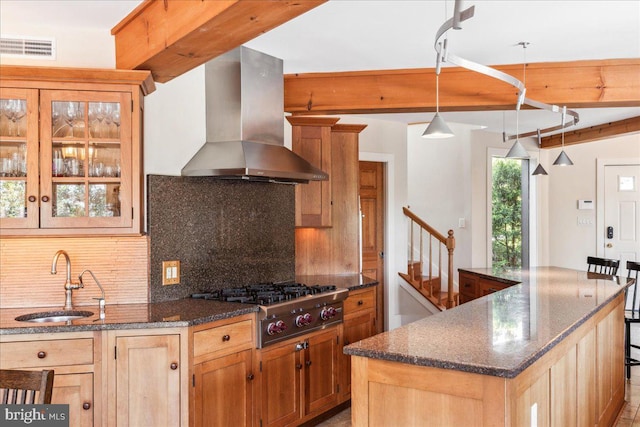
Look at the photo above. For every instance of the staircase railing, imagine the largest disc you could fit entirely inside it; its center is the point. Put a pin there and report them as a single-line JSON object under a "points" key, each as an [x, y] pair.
{"points": [[417, 249]]}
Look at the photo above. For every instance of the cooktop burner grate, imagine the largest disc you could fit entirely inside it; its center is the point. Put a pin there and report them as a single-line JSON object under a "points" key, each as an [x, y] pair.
{"points": [[264, 293]]}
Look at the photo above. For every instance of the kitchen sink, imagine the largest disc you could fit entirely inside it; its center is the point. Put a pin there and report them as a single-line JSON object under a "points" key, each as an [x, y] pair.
{"points": [[54, 316]]}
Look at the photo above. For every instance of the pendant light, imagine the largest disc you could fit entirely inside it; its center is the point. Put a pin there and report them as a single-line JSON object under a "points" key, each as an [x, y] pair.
{"points": [[563, 159], [438, 127], [539, 170], [517, 151]]}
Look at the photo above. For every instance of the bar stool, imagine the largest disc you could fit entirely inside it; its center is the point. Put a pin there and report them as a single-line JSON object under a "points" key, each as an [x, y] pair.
{"points": [[631, 316], [602, 265]]}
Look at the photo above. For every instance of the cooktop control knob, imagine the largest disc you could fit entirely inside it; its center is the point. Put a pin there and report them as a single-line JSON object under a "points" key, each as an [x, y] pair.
{"points": [[303, 320], [327, 313], [276, 327]]}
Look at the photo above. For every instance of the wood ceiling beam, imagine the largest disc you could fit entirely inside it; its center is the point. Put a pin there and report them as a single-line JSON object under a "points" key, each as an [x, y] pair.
{"points": [[578, 84], [593, 133], [170, 38]]}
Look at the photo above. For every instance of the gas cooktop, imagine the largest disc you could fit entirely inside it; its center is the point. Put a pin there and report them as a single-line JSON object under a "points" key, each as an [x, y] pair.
{"points": [[265, 293]]}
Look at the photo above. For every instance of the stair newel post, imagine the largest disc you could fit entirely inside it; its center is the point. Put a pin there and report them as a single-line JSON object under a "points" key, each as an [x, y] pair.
{"points": [[451, 245]]}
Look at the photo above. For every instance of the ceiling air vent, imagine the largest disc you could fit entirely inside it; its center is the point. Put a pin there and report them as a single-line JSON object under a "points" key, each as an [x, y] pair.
{"points": [[28, 47]]}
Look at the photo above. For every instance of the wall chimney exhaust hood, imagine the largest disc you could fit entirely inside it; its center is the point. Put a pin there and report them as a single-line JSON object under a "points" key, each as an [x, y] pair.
{"points": [[245, 122]]}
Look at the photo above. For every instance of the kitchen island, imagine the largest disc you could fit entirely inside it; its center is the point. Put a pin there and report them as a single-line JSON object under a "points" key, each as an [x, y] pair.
{"points": [[548, 351]]}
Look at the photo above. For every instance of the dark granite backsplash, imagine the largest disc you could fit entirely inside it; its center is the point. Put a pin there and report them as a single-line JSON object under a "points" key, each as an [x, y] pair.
{"points": [[223, 232]]}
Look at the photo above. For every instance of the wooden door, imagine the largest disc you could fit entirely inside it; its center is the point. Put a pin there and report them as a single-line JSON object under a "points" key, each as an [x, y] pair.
{"points": [[148, 381], [75, 390], [372, 205], [280, 403], [224, 391], [321, 372]]}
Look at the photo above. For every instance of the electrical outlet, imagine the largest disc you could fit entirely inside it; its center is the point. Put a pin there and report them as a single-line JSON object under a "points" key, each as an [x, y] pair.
{"points": [[170, 272]]}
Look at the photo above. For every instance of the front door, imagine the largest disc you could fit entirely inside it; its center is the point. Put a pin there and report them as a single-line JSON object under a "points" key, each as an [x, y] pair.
{"points": [[622, 214], [372, 235]]}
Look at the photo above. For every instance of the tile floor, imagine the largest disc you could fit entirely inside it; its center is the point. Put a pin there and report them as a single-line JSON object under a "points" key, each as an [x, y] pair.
{"points": [[343, 419]]}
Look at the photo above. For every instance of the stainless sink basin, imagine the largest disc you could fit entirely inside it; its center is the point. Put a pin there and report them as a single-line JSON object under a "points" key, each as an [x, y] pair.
{"points": [[54, 316]]}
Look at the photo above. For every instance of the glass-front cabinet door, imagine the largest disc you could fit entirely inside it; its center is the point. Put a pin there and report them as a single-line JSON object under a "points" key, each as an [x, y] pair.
{"points": [[85, 155], [18, 158]]}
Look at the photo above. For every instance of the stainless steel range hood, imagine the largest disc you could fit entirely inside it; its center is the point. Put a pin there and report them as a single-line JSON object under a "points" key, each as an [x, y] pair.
{"points": [[245, 122]]}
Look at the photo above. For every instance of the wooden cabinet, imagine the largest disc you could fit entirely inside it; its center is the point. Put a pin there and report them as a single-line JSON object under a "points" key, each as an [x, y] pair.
{"points": [[145, 378], [70, 150], [472, 286], [72, 358], [311, 139], [223, 373], [335, 249], [578, 382], [299, 378], [359, 323]]}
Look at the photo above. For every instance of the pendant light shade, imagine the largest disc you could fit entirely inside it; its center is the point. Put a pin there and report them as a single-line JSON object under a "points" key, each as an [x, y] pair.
{"points": [[563, 160], [517, 151], [438, 128], [539, 170]]}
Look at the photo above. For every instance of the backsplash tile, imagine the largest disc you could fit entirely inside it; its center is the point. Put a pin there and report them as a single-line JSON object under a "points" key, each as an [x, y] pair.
{"points": [[224, 232]]}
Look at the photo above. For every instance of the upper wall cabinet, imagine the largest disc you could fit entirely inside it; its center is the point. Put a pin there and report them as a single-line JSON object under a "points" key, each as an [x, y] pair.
{"points": [[311, 139], [70, 150]]}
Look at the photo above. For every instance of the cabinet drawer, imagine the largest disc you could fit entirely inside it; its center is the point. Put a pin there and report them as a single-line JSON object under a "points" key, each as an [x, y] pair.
{"points": [[34, 354], [360, 300], [223, 339], [486, 287], [468, 285]]}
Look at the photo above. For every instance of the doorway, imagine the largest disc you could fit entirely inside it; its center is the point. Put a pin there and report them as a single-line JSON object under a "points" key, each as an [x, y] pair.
{"points": [[372, 229], [509, 198], [621, 228]]}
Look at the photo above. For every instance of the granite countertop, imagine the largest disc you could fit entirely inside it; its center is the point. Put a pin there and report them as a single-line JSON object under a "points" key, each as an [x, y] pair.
{"points": [[175, 313], [503, 333]]}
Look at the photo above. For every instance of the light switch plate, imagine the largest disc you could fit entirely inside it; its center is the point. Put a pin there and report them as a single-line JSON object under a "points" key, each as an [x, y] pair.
{"points": [[170, 272]]}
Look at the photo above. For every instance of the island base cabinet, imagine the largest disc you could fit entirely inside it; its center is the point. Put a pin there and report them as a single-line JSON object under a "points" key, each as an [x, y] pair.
{"points": [[579, 382]]}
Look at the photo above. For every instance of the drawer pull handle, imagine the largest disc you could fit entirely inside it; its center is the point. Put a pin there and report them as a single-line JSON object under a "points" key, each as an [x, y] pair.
{"points": [[32, 199], [42, 354], [174, 366], [250, 377], [86, 405], [226, 338], [360, 302]]}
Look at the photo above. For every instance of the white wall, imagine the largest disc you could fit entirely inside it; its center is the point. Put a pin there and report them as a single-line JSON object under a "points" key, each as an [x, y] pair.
{"points": [[570, 243], [93, 49]]}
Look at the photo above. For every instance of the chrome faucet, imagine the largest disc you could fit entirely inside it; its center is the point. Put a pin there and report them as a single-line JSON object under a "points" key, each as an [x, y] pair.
{"points": [[101, 300], [69, 285]]}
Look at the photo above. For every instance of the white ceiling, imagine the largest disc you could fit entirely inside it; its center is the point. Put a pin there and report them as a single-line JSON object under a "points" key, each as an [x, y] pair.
{"points": [[345, 35]]}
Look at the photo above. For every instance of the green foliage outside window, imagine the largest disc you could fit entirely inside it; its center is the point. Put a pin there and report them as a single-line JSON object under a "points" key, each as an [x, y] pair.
{"points": [[506, 215]]}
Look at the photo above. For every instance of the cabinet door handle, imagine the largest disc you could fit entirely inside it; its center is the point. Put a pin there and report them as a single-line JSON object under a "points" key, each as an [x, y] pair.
{"points": [[45, 199], [32, 199], [250, 377], [174, 366], [42, 354], [299, 366], [226, 338], [86, 405], [308, 363]]}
